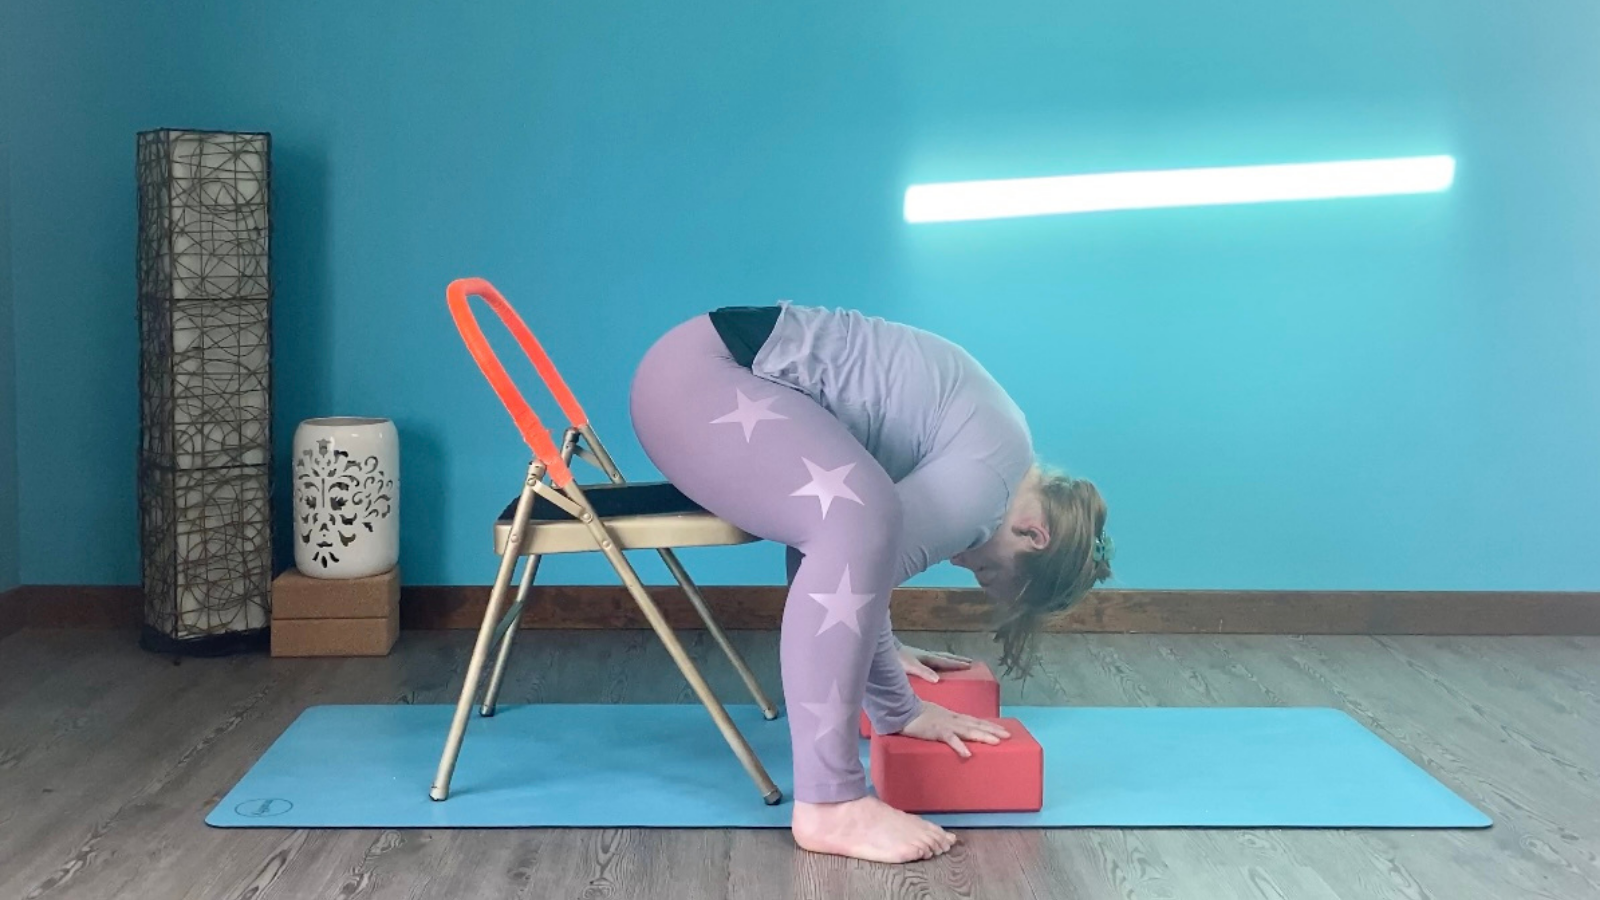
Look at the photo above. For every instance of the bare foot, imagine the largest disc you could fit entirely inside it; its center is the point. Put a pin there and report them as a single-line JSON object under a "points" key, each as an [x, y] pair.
{"points": [[867, 829]]}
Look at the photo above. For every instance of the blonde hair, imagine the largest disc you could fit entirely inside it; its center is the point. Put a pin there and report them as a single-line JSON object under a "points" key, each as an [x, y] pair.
{"points": [[1077, 557]]}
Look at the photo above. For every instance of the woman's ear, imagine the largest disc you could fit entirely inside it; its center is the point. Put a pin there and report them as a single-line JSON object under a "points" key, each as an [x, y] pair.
{"points": [[1034, 534]]}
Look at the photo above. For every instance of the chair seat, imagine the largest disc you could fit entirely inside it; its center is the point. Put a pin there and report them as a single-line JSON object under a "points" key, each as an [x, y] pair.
{"points": [[640, 516]]}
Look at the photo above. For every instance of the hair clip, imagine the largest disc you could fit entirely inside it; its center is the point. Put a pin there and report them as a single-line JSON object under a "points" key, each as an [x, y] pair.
{"points": [[1104, 548]]}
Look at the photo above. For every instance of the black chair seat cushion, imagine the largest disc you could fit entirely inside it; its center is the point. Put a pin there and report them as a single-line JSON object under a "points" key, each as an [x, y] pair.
{"points": [[652, 498]]}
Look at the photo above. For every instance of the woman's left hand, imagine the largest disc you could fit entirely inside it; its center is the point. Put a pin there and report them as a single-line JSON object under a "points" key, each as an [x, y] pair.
{"points": [[927, 664], [935, 723]]}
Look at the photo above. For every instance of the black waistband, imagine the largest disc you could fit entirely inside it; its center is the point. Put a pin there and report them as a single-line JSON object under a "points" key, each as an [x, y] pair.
{"points": [[745, 329]]}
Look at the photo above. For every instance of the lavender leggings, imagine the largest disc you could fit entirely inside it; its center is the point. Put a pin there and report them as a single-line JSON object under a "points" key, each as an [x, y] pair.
{"points": [[773, 462]]}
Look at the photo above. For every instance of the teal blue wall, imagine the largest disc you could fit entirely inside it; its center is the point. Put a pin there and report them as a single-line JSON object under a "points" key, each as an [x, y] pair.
{"points": [[1393, 393], [80, 76], [10, 572]]}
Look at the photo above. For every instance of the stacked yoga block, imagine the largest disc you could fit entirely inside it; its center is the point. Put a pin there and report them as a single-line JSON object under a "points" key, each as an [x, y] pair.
{"points": [[335, 616], [921, 776]]}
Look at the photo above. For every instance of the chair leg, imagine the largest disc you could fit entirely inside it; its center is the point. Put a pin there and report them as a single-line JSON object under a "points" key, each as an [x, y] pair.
{"points": [[469, 687], [509, 624], [692, 591], [480, 649], [506, 631], [730, 732]]}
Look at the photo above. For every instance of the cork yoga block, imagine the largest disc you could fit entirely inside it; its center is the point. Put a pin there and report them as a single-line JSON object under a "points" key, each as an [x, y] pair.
{"points": [[299, 596], [334, 637], [335, 617]]}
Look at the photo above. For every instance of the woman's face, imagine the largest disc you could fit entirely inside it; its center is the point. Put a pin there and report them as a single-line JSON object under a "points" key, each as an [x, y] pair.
{"points": [[994, 562]]}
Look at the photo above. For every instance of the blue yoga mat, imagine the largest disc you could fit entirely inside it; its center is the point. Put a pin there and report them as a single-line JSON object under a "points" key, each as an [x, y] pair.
{"points": [[616, 765]]}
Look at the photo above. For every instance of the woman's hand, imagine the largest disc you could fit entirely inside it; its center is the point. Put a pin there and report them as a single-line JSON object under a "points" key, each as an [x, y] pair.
{"points": [[935, 723], [927, 664]]}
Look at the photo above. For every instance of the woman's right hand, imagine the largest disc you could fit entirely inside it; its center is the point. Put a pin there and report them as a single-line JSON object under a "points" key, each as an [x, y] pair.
{"points": [[927, 664], [935, 723]]}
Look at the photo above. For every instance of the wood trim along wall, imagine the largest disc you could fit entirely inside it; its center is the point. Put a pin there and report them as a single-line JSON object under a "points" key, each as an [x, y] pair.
{"points": [[70, 606], [761, 608], [10, 613]]}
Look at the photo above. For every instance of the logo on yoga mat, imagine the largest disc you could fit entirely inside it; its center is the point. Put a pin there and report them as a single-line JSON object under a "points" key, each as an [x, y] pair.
{"points": [[261, 809]]}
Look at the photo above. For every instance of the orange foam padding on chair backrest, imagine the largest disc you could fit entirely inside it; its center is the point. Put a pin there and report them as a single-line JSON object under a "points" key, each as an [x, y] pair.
{"points": [[971, 692], [533, 431], [920, 776]]}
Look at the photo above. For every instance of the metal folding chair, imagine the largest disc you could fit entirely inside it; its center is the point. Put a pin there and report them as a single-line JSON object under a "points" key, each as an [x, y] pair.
{"points": [[559, 515]]}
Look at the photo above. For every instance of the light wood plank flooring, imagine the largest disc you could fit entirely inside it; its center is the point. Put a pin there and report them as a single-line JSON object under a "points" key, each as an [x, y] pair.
{"points": [[110, 758]]}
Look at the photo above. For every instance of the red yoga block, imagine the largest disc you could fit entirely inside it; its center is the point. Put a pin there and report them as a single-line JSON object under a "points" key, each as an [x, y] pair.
{"points": [[971, 692], [918, 776]]}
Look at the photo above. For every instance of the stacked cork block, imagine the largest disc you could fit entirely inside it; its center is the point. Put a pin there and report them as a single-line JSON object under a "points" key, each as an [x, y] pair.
{"points": [[335, 617], [920, 776]]}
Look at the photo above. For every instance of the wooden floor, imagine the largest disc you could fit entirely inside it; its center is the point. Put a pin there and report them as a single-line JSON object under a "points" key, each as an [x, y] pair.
{"points": [[111, 757]]}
